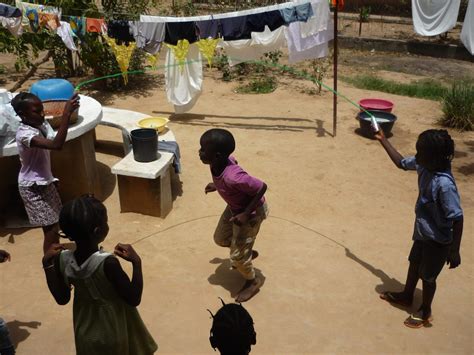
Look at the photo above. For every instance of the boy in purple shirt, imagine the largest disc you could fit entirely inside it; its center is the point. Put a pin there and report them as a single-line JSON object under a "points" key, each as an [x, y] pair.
{"points": [[246, 207]]}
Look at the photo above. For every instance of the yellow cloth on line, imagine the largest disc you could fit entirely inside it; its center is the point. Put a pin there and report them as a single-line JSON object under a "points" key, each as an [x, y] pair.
{"points": [[180, 51], [153, 59], [208, 48], [122, 54]]}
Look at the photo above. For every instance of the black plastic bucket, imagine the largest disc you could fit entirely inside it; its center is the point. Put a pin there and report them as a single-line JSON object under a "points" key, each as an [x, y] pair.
{"points": [[384, 119], [144, 144]]}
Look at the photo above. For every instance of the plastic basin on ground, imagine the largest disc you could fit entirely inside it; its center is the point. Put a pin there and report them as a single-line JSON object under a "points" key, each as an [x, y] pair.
{"points": [[376, 104]]}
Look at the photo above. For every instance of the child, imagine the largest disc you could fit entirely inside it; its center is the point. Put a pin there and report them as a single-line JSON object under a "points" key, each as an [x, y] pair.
{"points": [[106, 320], [438, 222], [246, 206], [232, 330], [6, 346], [34, 139]]}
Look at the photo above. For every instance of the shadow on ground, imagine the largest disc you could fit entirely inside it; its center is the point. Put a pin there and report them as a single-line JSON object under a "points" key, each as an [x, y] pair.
{"points": [[191, 119], [18, 331], [229, 279], [388, 283]]}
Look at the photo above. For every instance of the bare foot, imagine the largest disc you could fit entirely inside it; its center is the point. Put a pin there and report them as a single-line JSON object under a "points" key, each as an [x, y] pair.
{"points": [[250, 289], [254, 254]]}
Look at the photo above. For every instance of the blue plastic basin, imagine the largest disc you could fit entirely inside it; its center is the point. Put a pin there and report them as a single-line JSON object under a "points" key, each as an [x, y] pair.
{"points": [[52, 89]]}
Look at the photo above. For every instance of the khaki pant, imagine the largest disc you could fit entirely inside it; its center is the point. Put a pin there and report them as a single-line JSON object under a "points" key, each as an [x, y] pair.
{"points": [[240, 239]]}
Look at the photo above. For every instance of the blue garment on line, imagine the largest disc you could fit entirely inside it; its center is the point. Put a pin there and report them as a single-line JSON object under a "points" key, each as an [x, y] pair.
{"points": [[9, 11], [172, 147], [176, 31], [208, 28], [438, 204], [297, 13], [241, 27]]}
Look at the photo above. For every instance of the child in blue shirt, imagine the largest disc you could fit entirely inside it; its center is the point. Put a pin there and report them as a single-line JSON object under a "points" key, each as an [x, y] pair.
{"points": [[438, 219]]}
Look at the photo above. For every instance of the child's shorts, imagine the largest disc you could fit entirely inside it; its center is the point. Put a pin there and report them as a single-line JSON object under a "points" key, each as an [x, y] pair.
{"points": [[431, 256], [42, 203]]}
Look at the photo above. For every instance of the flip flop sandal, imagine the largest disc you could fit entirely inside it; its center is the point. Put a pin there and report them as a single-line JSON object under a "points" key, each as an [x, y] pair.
{"points": [[388, 296], [416, 322]]}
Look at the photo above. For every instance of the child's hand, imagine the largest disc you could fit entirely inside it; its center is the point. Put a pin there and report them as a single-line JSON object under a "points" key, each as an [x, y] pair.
{"points": [[4, 256], [379, 135], [239, 219], [72, 105], [454, 259], [126, 251], [210, 188], [53, 250]]}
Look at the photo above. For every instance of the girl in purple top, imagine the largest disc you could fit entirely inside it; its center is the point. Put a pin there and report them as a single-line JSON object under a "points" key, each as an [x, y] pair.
{"points": [[35, 138], [246, 207]]}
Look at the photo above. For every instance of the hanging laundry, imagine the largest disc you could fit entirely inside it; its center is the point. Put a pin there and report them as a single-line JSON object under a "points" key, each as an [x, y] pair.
{"points": [[152, 59], [12, 24], [272, 19], [183, 87], [49, 21], [122, 53], [65, 32], [208, 47], [234, 28], [148, 35], [240, 51], [208, 28], [315, 46], [120, 31], [467, 33], [319, 21], [94, 25], [176, 31], [434, 17], [180, 51], [31, 13], [78, 25], [9, 11], [33, 18], [297, 13]]}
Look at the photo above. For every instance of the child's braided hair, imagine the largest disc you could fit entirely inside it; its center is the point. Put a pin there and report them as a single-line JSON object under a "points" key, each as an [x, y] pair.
{"points": [[437, 149], [79, 217], [232, 330], [21, 101]]}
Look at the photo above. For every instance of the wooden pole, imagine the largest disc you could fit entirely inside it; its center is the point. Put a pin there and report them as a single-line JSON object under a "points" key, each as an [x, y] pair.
{"points": [[334, 117]]}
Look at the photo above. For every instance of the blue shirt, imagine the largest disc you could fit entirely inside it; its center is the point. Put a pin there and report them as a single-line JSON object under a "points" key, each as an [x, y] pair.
{"points": [[438, 204]]}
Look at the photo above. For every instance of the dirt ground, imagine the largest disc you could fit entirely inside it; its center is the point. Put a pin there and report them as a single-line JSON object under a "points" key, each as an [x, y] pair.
{"points": [[339, 231]]}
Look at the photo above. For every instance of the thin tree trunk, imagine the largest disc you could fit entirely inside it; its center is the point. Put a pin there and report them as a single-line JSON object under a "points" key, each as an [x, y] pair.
{"points": [[31, 72]]}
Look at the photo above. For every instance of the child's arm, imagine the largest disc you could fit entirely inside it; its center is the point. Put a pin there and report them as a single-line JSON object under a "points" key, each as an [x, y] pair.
{"points": [[58, 141], [129, 291], [454, 257], [58, 288], [243, 217], [211, 187], [391, 151]]}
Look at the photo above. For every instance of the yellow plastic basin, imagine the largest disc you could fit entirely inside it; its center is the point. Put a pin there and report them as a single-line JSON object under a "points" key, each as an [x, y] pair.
{"points": [[158, 123]]}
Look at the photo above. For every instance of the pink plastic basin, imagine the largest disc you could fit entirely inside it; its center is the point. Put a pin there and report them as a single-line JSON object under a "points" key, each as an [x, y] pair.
{"points": [[376, 104]]}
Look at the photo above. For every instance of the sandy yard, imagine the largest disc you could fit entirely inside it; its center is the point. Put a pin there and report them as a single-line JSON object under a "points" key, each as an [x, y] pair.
{"points": [[339, 232]]}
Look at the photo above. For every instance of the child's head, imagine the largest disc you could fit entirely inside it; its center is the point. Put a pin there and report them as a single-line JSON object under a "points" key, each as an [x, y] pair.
{"points": [[232, 330], [435, 149], [84, 219], [217, 144], [29, 108]]}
